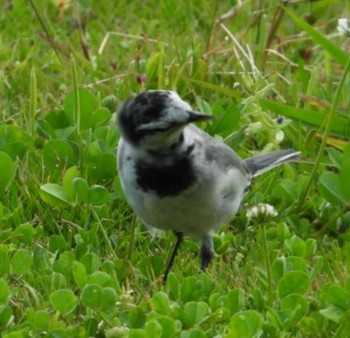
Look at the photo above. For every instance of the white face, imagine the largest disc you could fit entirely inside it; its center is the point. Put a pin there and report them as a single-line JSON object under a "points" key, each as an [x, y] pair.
{"points": [[168, 128], [175, 113], [162, 139], [159, 142]]}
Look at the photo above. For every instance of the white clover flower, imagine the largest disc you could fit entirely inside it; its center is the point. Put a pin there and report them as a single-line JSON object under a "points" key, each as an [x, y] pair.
{"points": [[261, 212], [344, 26]]}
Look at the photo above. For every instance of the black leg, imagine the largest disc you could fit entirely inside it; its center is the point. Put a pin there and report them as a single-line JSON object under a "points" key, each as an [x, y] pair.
{"points": [[179, 239], [207, 251]]}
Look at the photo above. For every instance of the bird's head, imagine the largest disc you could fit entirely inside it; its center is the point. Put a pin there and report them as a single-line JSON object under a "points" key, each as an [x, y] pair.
{"points": [[155, 119]]}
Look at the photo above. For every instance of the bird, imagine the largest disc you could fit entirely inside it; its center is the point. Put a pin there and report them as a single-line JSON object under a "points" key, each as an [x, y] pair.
{"points": [[177, 177]]}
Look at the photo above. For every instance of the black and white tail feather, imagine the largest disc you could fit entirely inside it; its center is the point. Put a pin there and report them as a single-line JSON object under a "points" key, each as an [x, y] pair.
{"points": [[260, 164]]}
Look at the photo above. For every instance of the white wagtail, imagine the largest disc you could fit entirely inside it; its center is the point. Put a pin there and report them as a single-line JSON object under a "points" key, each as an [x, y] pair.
{"points": [[177, 177]]}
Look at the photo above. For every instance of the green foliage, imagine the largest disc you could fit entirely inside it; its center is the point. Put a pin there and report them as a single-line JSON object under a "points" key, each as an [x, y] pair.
{"points": [[74, 262], [63, 300], [21, 261], [311, 117], [293, 282], [246, 324], [7, 171], [4, 291], [336, 52], [335, 186]]}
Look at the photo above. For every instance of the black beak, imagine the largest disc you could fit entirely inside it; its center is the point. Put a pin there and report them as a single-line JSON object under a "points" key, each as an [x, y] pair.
{"points": [[194, 117]]}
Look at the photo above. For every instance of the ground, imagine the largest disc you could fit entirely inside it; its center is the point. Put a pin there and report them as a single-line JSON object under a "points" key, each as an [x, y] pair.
{"points": [[76, 262]]}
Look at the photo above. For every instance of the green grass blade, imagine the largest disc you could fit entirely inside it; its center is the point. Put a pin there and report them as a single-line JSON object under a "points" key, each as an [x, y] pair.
{"points": [[74, 75], [328, 128], [337, 53], [33, 100], [214, 87], [160, 69], [76, 99], [338, 125]]}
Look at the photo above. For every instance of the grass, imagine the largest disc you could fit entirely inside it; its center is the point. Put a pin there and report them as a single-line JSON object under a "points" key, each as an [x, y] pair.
{"points": [[75, 261]]}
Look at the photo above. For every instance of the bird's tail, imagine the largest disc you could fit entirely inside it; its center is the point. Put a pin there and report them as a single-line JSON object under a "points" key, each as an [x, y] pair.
{"points": [[262, 163]]}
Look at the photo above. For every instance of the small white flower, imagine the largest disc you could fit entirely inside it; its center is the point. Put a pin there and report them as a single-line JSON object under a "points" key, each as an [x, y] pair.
{"points": [[344, 27], [261, 211]]}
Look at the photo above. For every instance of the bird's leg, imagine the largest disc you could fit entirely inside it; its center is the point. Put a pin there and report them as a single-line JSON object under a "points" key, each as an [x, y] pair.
{"points": [[179, 238], [207, 251]]}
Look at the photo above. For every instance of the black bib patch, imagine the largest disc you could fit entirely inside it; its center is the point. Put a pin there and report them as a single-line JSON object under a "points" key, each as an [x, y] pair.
{"points": [[167, 179]]}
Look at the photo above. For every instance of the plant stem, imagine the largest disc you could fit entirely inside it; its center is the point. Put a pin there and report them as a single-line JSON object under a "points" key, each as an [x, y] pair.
{"points": [[104, 234], [132, 238], [32, 100], [77, 112], [44, 27], [325, 136], [267, 263]]}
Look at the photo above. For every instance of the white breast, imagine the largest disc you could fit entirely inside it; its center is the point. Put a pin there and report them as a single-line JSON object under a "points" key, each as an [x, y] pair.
{"points": [[208, 204]]}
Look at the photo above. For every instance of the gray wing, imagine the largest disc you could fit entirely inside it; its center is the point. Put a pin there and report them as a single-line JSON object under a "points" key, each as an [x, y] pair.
{"points": [[218, 153], [262, 163]]}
